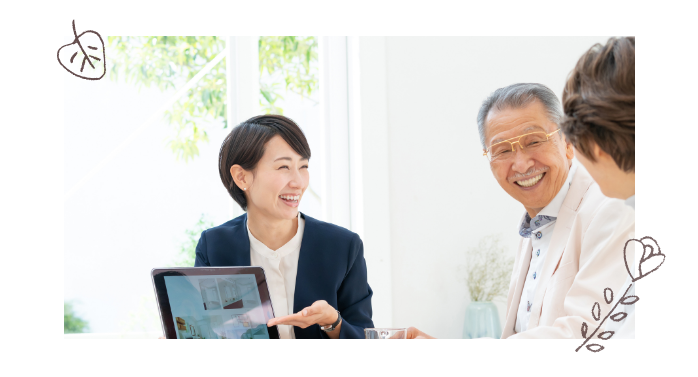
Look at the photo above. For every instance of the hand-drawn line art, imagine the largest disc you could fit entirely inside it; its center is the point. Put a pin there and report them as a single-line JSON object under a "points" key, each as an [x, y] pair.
{"points": [[97, 66], [624, 300]]}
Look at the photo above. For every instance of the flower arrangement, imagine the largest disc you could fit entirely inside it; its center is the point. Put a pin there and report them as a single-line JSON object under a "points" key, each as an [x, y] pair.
{"points": [[488, 269]]}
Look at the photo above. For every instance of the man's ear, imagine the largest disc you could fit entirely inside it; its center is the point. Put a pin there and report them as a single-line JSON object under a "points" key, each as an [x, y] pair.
{"points": [[569, 150], [241, 177]]}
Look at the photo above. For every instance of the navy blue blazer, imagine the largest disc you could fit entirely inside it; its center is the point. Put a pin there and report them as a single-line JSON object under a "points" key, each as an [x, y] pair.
{"points": [[331, 267]]}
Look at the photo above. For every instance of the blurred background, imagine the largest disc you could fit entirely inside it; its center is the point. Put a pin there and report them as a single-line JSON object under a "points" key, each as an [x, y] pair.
{"points": [[396, 158]]}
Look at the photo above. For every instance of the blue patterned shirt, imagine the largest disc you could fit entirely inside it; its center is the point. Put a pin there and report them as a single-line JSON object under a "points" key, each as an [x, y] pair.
{"points": [[528, 224]]}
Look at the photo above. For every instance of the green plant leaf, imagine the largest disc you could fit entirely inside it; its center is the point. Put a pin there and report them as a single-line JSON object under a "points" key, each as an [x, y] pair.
{"points": [[168, 63], [71, 322]]}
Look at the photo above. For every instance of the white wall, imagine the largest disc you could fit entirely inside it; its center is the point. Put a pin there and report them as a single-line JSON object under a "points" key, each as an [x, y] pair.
{"points": [[440, 192], [369, 76]]}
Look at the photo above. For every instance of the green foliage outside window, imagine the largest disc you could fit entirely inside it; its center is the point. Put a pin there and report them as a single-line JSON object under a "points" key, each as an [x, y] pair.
{"points": [[71, 322], [170, 62], [287, 59], [187, 250]]}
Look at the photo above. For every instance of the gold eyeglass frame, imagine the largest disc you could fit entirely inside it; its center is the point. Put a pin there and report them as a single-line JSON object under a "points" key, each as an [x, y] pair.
{"points": [[518, 138]]}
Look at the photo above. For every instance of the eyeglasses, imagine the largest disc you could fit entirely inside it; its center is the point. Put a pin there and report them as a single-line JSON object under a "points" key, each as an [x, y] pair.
{"points": [[527, 142]]}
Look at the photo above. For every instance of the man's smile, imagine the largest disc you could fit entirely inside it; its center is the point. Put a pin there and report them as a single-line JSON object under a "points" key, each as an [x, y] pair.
{"points": [[530, 181]]}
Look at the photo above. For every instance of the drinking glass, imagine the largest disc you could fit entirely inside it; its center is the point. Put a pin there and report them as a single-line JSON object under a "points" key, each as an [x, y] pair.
{"points": [[386, 333]]}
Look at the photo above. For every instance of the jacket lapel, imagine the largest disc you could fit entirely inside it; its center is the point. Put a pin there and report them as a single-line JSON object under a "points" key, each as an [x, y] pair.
{"points": [[240, 248], [514, 299], [563, 226]]}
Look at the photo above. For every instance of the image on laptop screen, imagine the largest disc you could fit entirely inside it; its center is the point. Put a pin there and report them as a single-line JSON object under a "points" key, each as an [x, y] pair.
{"points": [[216, 307]]}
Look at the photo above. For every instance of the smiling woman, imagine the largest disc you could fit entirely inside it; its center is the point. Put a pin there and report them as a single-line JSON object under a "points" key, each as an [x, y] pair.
{"points": [[314, 269], [246, 146]]}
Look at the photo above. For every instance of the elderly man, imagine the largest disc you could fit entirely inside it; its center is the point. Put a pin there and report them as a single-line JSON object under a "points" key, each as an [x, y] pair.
{"points": [[570, 232]]}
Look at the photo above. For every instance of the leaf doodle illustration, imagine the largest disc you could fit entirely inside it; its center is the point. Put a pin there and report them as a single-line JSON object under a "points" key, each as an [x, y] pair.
{"points": [[595, 347], [85, 56], [608, 295], [618, 317], [606, 335], [596, 311]]}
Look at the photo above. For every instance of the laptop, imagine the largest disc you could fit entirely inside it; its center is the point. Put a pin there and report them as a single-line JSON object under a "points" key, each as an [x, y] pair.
{"points": [[214, 303]]}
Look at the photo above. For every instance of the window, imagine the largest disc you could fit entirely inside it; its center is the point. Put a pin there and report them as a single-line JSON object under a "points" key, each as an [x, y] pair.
{"points": [[140, 186]]}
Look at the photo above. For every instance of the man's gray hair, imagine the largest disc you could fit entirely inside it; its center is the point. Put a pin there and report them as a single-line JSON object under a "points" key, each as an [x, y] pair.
{"points": [[517, 96]]}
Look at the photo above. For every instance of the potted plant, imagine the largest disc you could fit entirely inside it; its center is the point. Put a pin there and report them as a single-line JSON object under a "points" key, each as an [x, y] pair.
{"points": [[488, 268]]}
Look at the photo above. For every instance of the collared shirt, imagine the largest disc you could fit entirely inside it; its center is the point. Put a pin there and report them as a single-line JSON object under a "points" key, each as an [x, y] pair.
{"points": [[630, 201], [540, 230], [280, 268]]}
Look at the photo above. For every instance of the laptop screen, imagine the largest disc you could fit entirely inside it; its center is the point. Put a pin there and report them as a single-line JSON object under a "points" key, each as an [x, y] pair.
{"points": [[217, 307]]}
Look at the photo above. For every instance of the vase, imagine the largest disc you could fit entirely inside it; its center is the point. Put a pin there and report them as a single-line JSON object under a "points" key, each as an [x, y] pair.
{"points": [[481, 320]]}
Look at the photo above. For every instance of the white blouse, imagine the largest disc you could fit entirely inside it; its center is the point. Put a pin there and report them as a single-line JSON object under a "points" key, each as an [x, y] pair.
{"points": [[280, 268]]}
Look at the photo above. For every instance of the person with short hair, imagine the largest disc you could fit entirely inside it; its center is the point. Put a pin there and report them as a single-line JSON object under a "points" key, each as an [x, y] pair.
{"points": [[563, 261], [313, 269], [599, 106]]}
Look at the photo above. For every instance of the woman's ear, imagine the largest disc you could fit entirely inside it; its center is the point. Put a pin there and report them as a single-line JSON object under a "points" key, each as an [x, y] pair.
{"points": [[595, 153], [598, 153], [241, 177]]}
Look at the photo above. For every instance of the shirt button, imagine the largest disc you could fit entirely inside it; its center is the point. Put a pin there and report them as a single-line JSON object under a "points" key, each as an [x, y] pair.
{"points": [[539, 235], [534, 276], [528, 306], [275, 255], [538, 252]]}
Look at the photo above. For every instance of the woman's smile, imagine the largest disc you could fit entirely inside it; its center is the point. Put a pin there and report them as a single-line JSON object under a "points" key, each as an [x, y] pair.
{"points": [[290, 200]]}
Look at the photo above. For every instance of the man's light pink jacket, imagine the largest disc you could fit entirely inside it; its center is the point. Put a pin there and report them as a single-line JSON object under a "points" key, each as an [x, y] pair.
{"points": [[585, 256]]}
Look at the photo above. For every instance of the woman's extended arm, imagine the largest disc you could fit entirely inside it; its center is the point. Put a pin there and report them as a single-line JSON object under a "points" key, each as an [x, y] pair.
{"points": [[320, 312], [353, 301]]}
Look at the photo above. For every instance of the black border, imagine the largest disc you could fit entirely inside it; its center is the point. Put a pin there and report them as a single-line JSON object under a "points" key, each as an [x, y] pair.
{"points": [[158, 276]]}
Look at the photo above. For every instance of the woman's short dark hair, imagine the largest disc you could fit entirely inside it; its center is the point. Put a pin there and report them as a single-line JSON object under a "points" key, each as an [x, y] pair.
{"points": [[244, 146], [599, 102]]}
